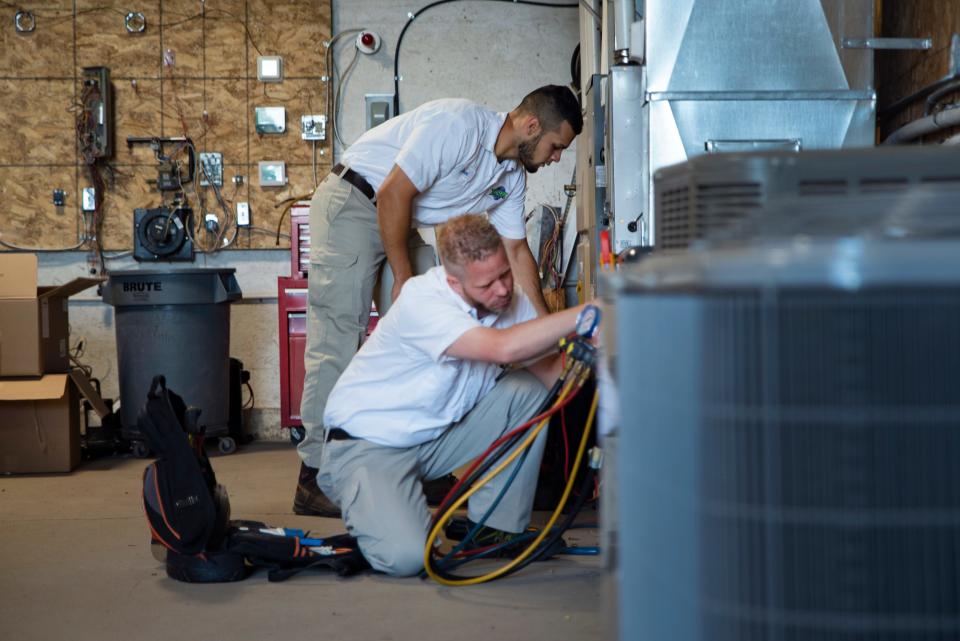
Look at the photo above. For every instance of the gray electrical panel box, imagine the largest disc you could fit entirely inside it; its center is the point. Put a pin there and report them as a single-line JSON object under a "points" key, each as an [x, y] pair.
{"points": [[211, 164], [270, 120], [378, 108]]}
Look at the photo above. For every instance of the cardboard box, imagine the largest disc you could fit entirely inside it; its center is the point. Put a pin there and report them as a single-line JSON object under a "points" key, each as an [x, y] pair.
{"points": [[34, 336], [39, 424]]}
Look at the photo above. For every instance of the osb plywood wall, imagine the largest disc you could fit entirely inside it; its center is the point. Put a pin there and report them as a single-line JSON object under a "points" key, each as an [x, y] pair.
{"points": [[901, 73], [208, 93]]}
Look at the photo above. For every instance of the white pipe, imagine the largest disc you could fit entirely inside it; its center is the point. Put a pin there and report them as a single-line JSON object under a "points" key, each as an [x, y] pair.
{"points": [[923, 126], [590, 30], [593, 12]]}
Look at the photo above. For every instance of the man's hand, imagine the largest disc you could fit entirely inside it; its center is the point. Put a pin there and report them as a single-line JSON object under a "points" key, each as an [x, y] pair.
{"points": [[397, 286]]}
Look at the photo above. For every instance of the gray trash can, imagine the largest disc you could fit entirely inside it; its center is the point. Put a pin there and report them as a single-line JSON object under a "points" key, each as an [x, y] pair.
{"points": [[175, 323]]}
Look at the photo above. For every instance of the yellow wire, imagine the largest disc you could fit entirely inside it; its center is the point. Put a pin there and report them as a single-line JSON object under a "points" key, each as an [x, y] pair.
{"points": [[434, 533], [428, 547]]}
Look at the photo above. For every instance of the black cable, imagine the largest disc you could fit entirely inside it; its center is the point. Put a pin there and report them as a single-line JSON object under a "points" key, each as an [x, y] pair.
{"points": [[575, 71], [935, 97], [396, 53], [903, 103], [548, 543], [545, 546], [549, 402]]}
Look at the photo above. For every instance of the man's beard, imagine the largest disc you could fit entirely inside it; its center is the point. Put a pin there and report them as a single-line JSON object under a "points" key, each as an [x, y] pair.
{"points": [[483, 310], [526, 151]]}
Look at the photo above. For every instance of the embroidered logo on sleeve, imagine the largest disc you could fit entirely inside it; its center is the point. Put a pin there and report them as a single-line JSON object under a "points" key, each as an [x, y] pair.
{"points": [[498, 193]]}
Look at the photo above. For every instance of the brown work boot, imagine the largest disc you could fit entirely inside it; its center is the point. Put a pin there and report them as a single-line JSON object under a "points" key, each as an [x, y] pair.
{"points": [[310, 499], [437, 489]]}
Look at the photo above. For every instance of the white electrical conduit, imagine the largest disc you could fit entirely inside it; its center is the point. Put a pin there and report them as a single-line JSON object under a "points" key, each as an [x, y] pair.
{"points": [[593, 12], [923, 126], [623, 18]]}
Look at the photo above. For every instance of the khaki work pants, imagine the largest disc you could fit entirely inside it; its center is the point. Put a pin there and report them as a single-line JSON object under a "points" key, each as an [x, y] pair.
{"points": [[346, 256]]}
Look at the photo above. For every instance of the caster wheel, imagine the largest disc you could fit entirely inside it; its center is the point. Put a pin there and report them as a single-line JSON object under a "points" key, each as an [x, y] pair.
{"points": [[140, 449], [226, 445], [297, 435]]}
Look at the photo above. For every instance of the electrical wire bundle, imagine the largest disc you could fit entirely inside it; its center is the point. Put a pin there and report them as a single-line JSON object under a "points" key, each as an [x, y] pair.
{"points": [[579, 358]]}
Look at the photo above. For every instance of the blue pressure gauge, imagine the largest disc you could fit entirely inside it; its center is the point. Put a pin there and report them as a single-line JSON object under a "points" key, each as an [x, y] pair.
{"points": [[588, 321]]}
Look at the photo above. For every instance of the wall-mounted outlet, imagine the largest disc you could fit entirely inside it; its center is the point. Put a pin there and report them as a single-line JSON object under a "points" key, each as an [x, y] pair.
{"points": [[243, 214], [89, 202]]}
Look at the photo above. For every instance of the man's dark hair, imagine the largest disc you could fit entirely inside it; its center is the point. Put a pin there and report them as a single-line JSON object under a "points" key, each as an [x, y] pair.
{"points": [[552, 104]]}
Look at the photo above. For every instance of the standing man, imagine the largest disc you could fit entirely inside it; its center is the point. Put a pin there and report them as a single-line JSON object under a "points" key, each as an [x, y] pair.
{"points": [[427, 394], [442, 159]]}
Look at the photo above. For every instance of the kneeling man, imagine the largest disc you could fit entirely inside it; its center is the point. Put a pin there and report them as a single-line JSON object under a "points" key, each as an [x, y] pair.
{"points": [[427, 393]]}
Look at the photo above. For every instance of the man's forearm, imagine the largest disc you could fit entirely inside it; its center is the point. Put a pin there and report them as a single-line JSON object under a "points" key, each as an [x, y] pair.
{"points": [[516, 343], [528, 276], [534, 338], [393, 216]]}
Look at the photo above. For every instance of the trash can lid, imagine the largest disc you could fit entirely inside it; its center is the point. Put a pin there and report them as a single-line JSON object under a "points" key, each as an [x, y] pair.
{"points": [[171, 287], [173, 272]]}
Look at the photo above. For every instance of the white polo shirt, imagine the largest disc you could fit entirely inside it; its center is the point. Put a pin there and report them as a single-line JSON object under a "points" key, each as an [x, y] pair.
{"points": [[400, 389], [446, 148]]}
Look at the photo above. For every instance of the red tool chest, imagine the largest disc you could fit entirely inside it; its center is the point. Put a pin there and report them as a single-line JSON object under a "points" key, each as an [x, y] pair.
{"points": [[292, 306]]}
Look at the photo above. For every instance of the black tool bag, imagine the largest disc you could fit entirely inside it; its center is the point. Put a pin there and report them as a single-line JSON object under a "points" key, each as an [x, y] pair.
{"points": [[249, 546], [189, 512], [283, 556], [186, 508]]}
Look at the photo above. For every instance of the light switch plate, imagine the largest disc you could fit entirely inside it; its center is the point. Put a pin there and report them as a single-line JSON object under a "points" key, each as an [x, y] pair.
{"points": [[243, 214]]}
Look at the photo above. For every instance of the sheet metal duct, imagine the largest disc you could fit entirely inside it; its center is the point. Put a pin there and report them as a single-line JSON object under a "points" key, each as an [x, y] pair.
{"points": [[741, 75]]}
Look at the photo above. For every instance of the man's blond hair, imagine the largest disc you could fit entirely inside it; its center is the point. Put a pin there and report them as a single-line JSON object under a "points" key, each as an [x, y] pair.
{"points": [[466, 239]]}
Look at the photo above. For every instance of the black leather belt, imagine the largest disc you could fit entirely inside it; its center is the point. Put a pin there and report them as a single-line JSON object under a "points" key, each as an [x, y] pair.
{"points": [[356, 180], [337, 434]]}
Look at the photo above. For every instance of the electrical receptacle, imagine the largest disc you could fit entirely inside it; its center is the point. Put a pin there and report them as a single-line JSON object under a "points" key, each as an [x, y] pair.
{"points": [[243, 214], [211, 223]]}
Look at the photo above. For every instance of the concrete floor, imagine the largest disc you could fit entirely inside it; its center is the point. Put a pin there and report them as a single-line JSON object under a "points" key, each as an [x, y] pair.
{"points": [[75, 563]]}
